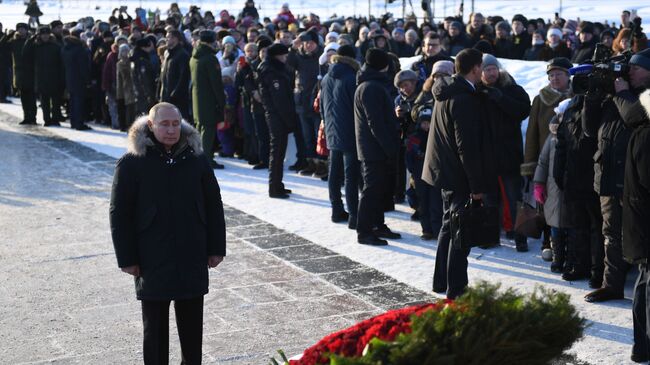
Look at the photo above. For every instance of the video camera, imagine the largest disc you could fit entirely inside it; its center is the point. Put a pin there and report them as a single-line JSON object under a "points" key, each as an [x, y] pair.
{"points": [[599, 74]]}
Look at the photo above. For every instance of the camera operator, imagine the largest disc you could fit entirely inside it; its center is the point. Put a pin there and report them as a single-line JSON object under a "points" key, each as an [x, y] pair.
{"points": [[612, 118]]}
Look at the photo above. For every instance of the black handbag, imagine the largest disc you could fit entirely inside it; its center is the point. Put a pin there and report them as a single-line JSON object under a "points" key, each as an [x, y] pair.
{"points": [[476, 225]]}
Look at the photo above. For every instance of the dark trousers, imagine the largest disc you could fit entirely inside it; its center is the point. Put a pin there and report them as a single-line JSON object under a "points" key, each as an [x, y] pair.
{"points": [[400, 173], [430, 206], [189, 320], [615, 267], [587, 251], [51, 106], [371, 213], [208, 130], [309, 123], [343, 166], [77, 114], [250, 140], [278, 149], [450, 272], [641, 314], [262, 135], [28, 101]]}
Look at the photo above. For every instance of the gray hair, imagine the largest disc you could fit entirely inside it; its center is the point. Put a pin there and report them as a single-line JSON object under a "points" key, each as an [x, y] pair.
{"points": [[153, 112]]}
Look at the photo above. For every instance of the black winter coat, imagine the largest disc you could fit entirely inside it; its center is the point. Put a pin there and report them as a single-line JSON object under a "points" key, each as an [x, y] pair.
{"points": [[458, 154], [584, 52], [337, 103], [520, 43], [506, 110], [166, 215], [636, 199], [143, 74], [424, 66], [275, 83], [48, 67], [572, 170], [175, 76], [76, 60], [503, 48], [611, 120], [307, 69], [375, 124]]}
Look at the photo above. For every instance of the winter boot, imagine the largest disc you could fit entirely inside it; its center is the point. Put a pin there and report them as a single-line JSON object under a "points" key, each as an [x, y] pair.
{"points": [[521, 243], [578, 253], [309, 169], [558, 246], [321, 169]]}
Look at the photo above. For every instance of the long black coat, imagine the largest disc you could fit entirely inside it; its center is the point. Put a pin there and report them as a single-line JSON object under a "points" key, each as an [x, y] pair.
{"points": [[611, 120], [505, 115], [458, 155], [275, 82], [76, 61], [143, 74], [175, 76], [48, 67], [166, 215], [375, 124], [337, 103], [636, 199], [307, 69]]}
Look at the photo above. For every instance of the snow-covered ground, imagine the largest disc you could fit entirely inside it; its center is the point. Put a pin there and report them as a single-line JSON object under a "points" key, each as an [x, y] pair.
{"points": [[12, 11], [410, 260]]}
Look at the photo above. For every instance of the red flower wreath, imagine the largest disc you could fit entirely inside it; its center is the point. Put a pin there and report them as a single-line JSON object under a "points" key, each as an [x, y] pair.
{"points": [[353, 340]]}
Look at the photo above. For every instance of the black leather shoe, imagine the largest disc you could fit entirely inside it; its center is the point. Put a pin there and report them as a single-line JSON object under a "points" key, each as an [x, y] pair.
{"points": [[261, 166], [286, 191], [639, 358], [603, 295], [84, 127], [372, 241], [216, 166], [574, 274], [27, 122], [426, 236], [299, 165], [385, 232], [340, 217], [279, 195]]}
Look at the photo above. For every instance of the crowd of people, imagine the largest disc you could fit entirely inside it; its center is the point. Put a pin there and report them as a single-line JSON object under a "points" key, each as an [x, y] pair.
{"points": [[435, 134]]}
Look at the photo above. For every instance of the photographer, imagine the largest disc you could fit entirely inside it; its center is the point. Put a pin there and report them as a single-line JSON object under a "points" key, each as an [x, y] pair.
{"points": [[406, 82], [612, 118]]}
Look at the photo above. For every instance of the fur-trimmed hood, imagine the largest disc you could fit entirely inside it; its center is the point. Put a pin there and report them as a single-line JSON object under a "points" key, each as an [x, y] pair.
{"points": [[644, 99], [550, 96], [139, 138], [346, 60]]}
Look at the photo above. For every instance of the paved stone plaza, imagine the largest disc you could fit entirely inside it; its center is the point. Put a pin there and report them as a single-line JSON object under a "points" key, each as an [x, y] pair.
{"points": [[63, 299]]}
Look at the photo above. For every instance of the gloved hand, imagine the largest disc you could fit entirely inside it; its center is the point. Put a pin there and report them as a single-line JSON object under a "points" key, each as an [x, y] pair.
{"points": [[540, 193], [492, 93]]}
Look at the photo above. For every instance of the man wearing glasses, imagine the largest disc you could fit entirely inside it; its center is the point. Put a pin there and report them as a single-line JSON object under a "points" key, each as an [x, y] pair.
{"points": [[432, 52]]}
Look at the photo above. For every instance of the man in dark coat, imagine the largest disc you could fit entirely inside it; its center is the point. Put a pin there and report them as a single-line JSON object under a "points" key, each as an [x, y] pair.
{"points": [[432, 52], [207, 93], [377, 143], [49, 77], [587, 44], [305, 63], [22, 52], [175, 74], [636, 230], [76, 61], [337, 109], [5, 64], [143, 74], [167, 224], [612, 120], [521, 40], [457, 161], [508, 105], [276, 88]]}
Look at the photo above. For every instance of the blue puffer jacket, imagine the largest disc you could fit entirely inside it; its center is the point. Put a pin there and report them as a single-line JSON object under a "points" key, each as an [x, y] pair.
{"points": [[337, 103]]}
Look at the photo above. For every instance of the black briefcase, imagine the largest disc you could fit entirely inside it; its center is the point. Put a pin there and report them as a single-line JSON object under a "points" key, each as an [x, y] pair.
{"points": [[476, 225]]}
